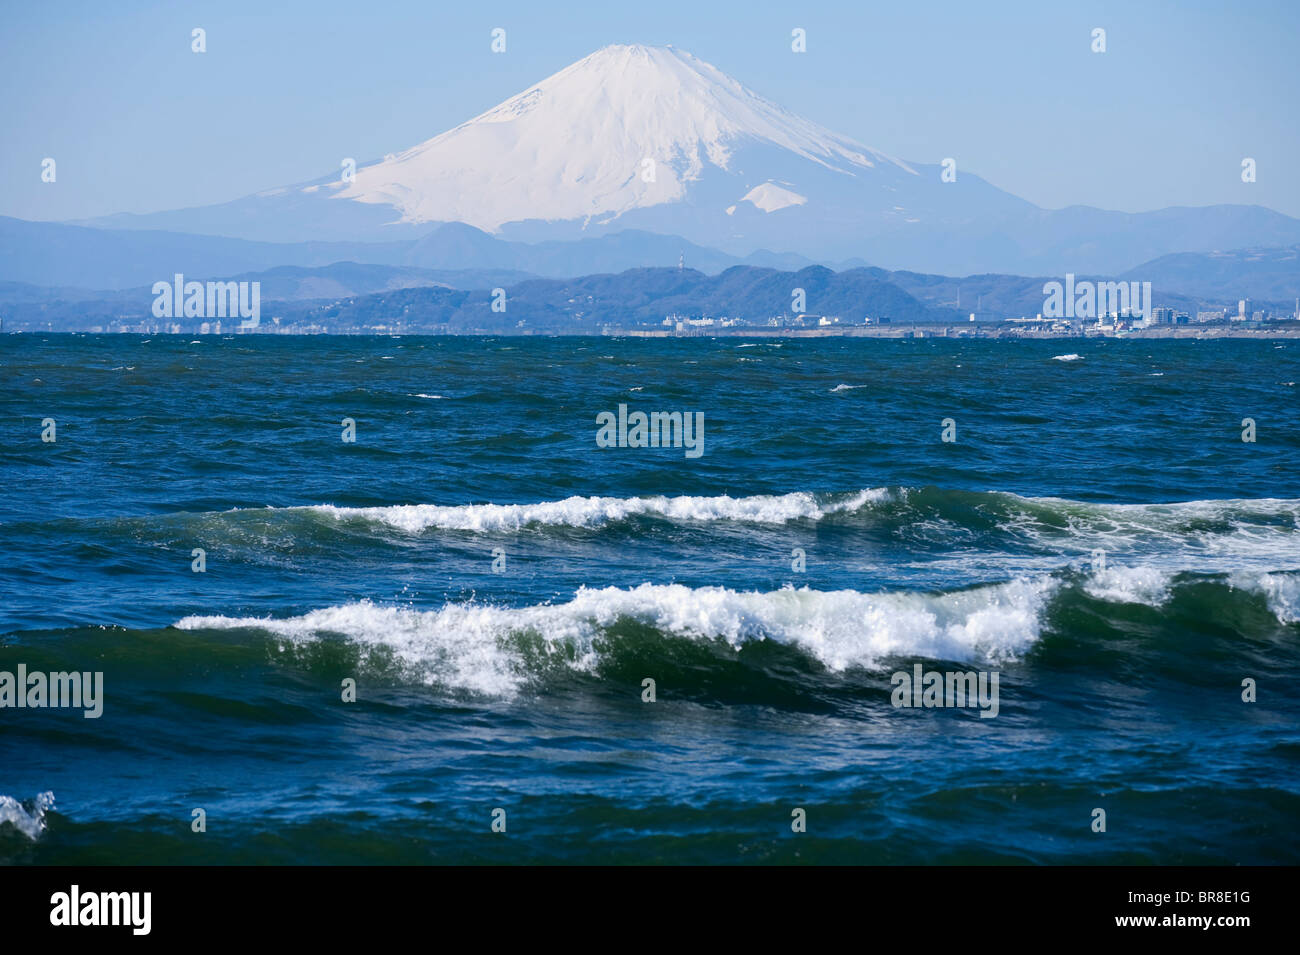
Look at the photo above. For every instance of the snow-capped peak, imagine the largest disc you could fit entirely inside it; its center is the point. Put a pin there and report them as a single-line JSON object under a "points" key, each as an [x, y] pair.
{"points": [[624, 128]]}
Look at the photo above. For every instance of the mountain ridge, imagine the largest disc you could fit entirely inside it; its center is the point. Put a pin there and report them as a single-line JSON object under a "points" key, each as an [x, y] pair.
{"points": [[635, 138]]}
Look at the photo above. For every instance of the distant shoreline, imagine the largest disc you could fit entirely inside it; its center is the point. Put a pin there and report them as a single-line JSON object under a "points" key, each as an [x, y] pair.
{"points": [[960, 331], [983, 333]]}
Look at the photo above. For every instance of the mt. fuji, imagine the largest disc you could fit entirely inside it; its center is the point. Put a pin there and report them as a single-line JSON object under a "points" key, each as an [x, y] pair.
{"points": [[655, 139], [629, 127]]}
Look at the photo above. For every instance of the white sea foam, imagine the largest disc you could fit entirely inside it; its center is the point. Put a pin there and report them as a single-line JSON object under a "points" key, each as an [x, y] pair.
{"points": [[843, 387], [1209, 535], [1134, 585], [29, 823], [592, 511], [480, 647], [1206, 536], [1282, 591]]}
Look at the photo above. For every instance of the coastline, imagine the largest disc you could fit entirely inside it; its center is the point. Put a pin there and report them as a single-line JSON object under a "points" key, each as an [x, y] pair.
{"points": [[982, 332], [959, 331]]}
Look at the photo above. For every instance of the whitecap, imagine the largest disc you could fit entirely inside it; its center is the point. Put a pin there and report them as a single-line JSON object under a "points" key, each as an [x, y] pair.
{"points": [[1148, 586], [30, 822], [480, 648], [593, 511]]}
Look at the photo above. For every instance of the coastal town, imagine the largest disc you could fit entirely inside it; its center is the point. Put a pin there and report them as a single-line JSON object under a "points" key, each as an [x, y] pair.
{"points": [[1246, 321]]}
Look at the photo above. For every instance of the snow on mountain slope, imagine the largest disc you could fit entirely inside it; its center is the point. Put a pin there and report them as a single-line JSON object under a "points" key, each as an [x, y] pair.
{"points": [[627, 127], [636, 140], [769, 197]]}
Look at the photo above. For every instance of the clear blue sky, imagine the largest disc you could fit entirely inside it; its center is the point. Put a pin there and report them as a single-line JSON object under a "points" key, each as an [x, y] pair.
{"points": [[138, 123]]}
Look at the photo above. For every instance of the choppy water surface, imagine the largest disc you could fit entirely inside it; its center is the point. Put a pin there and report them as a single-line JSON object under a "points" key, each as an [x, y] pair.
{"points": [[1120, 676]]}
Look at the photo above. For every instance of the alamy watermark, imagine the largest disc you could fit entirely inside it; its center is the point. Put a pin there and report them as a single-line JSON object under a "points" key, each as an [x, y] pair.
{"points": [[922, 688], [181, 299], [130, 909], [658, 429], [59, 690], [1086, 299]]}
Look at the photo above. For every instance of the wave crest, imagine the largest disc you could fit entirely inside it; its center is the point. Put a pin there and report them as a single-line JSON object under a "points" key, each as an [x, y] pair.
{"points": [[29, 821], [495, 650], [594, 511]]}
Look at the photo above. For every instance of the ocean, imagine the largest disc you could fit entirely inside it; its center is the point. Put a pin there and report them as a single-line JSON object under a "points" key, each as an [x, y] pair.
{"points": [[473, 634]]}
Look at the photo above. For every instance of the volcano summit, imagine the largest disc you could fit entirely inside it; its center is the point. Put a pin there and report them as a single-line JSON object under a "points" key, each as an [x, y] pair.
{"points": [[655, 139]]}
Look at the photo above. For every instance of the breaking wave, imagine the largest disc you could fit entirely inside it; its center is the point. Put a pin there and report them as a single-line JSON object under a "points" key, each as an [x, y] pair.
{"points": [[593, 511], [491, 649], [29, 818]]}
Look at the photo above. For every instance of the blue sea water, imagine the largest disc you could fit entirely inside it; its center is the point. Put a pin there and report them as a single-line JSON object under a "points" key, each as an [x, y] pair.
{"points": [[499, 587]]}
